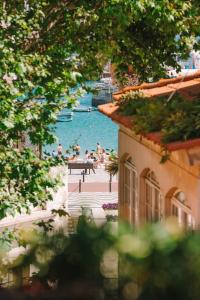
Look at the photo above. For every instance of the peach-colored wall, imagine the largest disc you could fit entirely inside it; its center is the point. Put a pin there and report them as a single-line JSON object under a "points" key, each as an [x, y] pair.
{"points": [[173, 173]]}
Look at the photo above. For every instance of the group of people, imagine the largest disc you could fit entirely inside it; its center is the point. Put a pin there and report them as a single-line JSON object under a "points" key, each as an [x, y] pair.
{"points": [[98, 157], [65, 154]]}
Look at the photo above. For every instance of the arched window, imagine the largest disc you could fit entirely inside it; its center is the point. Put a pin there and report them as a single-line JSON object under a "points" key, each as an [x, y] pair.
{"points": [[129, 198], [152, 198], [181, 211]]}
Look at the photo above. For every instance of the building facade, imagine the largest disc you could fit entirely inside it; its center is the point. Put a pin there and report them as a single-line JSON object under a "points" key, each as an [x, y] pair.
{"points": [[149, 190]]}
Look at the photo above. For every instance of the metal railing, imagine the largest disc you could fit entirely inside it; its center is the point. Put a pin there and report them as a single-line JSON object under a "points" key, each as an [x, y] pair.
{"points": [[80, 182]]}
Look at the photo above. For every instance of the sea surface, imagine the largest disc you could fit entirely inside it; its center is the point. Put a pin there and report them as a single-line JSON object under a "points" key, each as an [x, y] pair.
{"points": [[86, 129]]}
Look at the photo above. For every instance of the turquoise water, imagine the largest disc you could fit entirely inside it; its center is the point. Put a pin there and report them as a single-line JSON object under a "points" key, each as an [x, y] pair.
{"points": [[87, 128]]}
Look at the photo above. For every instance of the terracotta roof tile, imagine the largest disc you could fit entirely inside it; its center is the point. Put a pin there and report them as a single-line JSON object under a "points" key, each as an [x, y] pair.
{"points": [[160, 83], [154, 137], [108, 109], [158, 91], [188, 86], [185, 85], [189, 89], [112, 112], [183, 145], [173, 146], [116, 97]]}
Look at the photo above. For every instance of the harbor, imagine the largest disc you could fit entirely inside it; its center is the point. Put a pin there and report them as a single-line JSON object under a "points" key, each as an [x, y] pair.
{"points": [[83, 124], [85, 128]]}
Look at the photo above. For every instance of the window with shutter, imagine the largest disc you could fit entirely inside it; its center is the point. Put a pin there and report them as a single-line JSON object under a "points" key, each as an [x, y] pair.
{"points": [[153, 200], [181, 211], [129, 201]]}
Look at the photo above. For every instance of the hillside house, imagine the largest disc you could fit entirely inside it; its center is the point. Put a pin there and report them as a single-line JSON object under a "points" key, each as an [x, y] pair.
{"points": [[149, 190]]}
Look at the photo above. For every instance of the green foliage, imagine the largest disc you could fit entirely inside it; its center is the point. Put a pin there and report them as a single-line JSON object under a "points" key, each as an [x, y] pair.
{"points": [[159, 261], [72, 258], [154, 23], [183, 124], [155, 258], [24, 181], [165, 155], [113, 166], [111, 218], [47, 226], [149, 117], [130, 102], [7, 239], [49, 47], [177, 119]]}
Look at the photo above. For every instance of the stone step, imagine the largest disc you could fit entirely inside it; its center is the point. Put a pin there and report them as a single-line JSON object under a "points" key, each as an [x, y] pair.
{"points": [[94, 198], [94, 201]]}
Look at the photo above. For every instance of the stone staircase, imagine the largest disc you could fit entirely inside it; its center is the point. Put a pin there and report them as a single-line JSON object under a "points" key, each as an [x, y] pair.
{"points": [[93, 201]]}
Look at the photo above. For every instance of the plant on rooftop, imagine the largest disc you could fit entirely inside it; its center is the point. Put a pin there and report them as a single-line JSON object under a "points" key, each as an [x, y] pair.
{"points": [[149, 116], [130, 102], [182, 124], [177, 119]]}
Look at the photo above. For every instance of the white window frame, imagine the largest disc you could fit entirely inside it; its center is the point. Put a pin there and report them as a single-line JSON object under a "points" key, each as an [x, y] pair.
{"points": [[132, 206], [182, 209], [153, 186]]}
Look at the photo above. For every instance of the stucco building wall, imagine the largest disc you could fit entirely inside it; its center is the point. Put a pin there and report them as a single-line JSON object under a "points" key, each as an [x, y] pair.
{"points": [[173, 175]]}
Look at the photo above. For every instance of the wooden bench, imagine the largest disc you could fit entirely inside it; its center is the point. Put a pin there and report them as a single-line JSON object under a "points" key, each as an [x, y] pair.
{"points": [[81, 166]]}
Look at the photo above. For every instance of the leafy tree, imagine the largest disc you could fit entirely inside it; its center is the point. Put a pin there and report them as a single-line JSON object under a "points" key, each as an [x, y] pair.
{"points": [[49, 47], [113, 166], [159, 261]]}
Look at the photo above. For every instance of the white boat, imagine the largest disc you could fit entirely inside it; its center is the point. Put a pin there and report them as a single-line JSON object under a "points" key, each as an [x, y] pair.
{"points": [[65, 117], [83, 109]]}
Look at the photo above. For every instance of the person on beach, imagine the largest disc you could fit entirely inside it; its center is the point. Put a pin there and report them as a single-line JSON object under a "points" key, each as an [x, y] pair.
{"points": [[103, 156], [59, 150], [87, 155], [66, 155], [93, 159], [77, 148], [92, 156], [99, 149], [73, 158]]}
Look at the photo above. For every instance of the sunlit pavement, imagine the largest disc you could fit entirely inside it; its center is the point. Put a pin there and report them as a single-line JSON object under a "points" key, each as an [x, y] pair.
{"points": [[91, 203], [98, 182], [91, 194]]}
